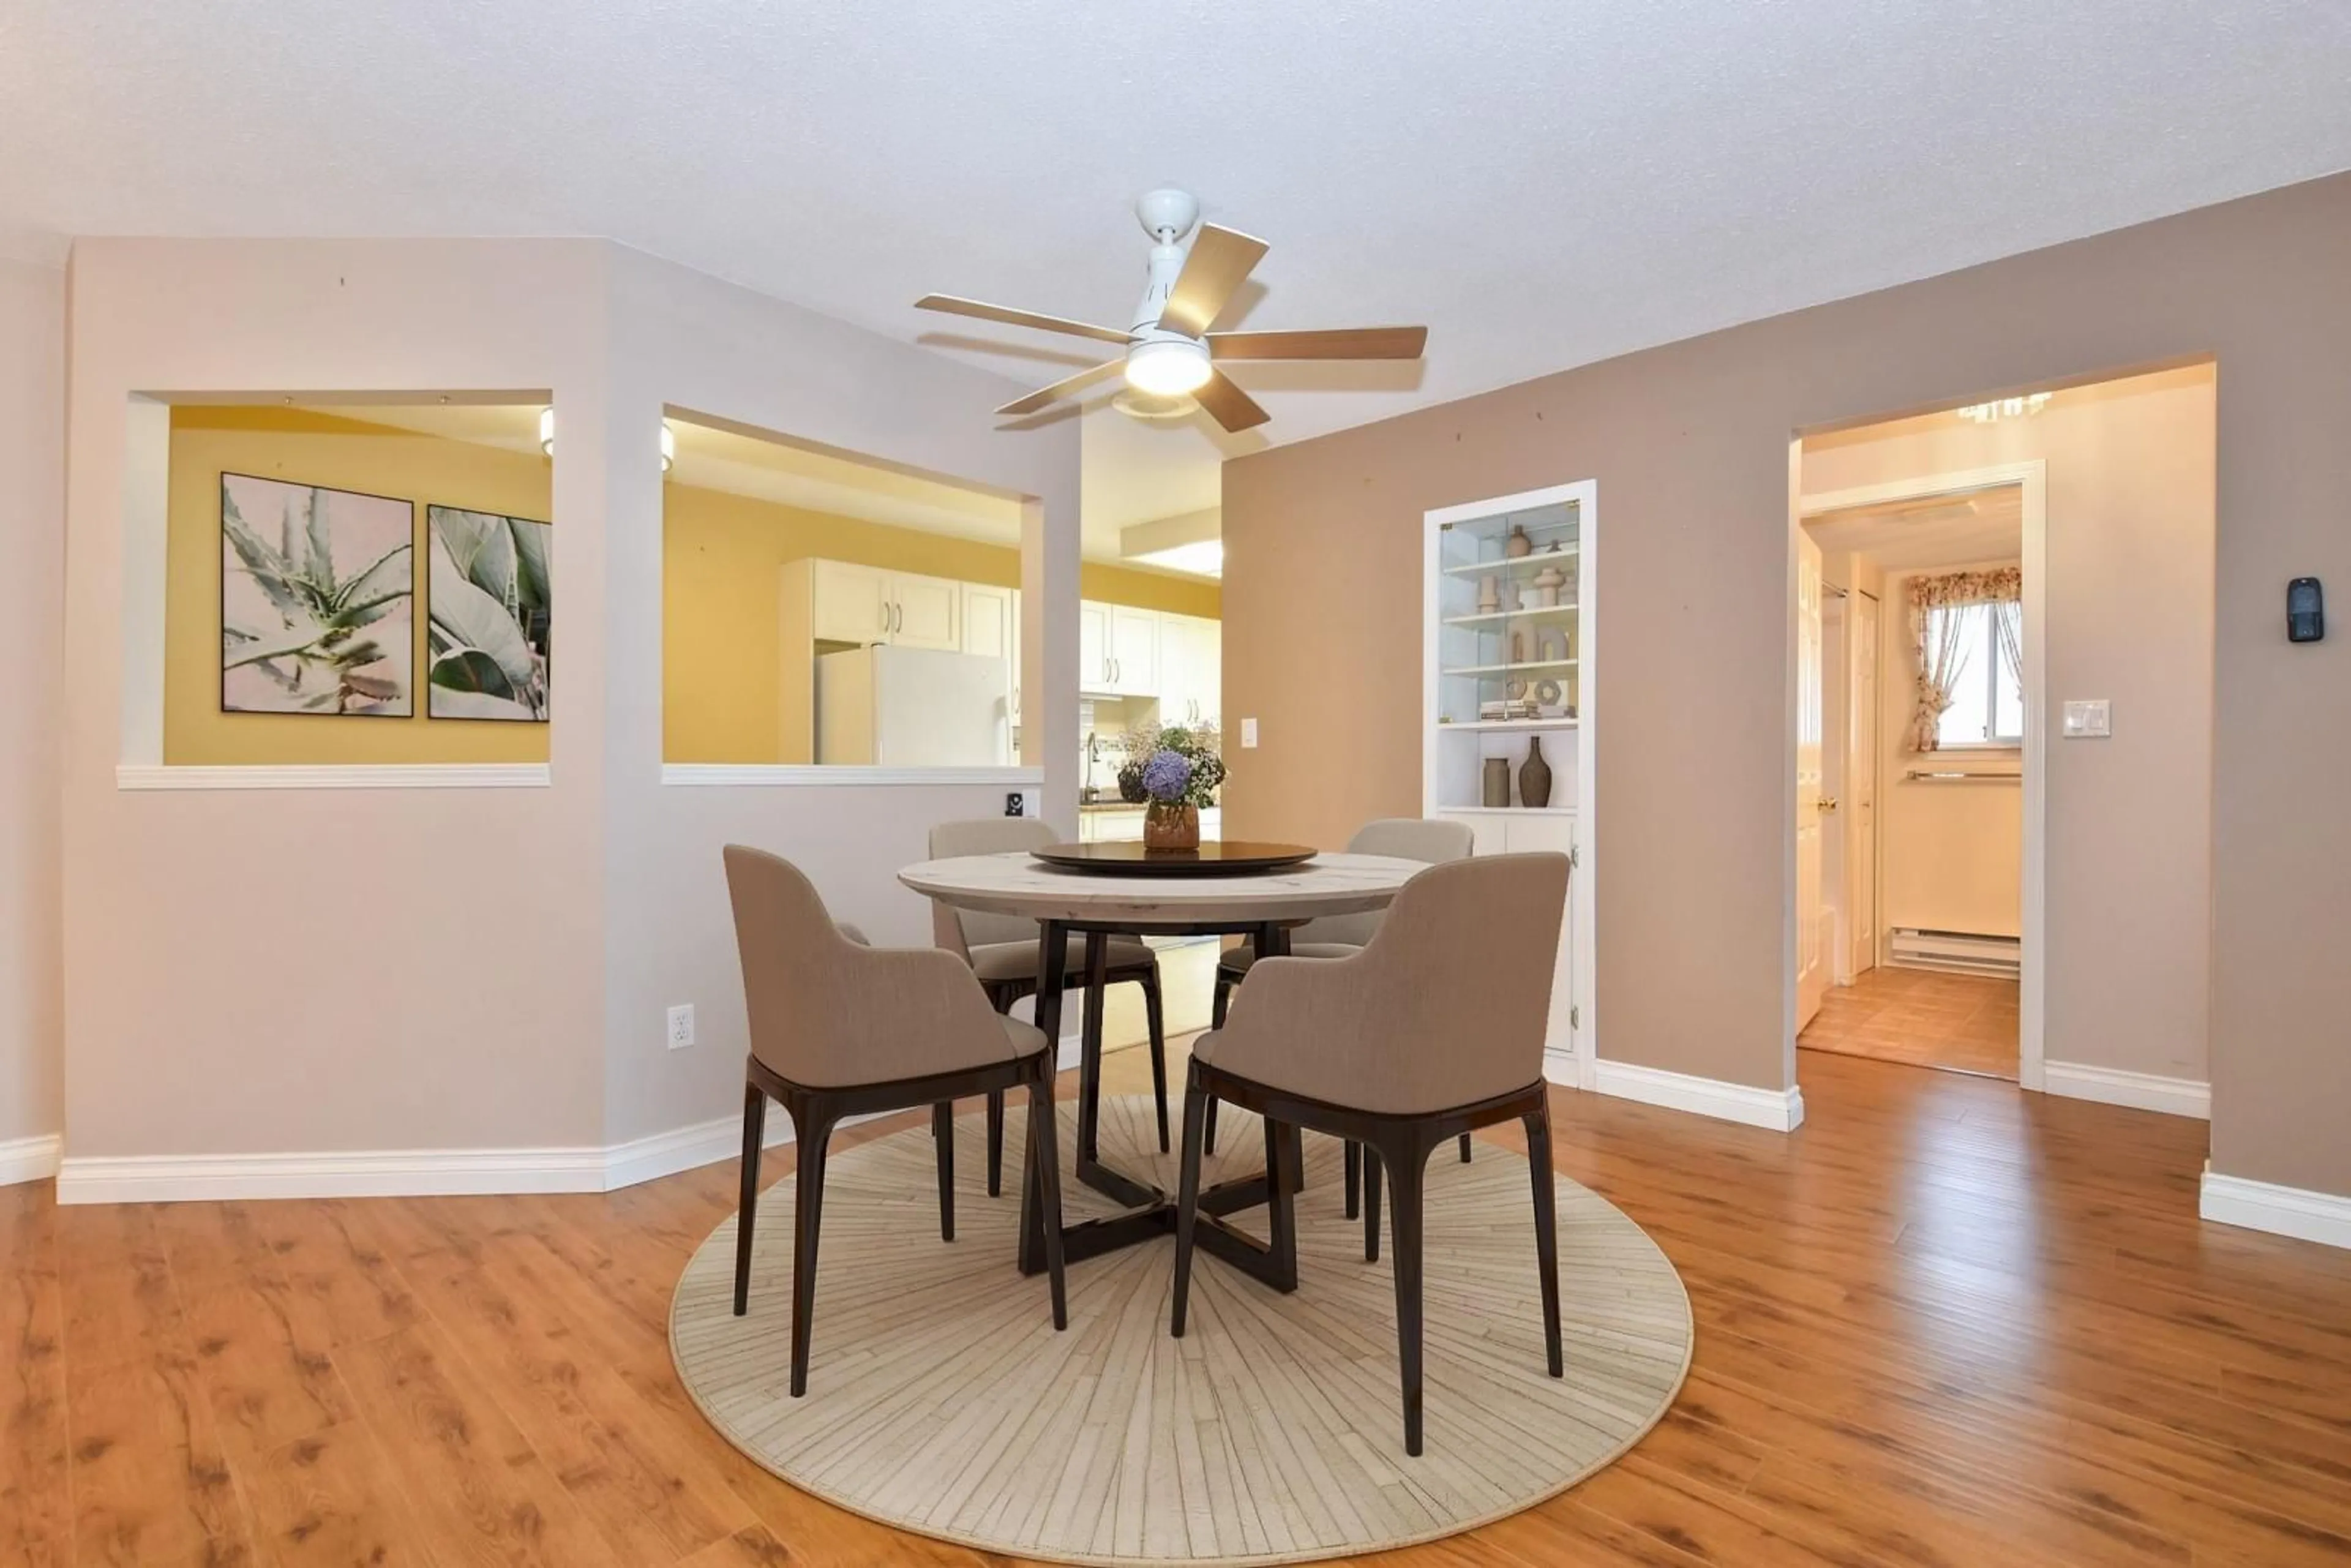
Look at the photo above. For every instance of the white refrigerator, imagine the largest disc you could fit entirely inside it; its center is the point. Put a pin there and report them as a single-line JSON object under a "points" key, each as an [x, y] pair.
{"points": [[911, 707]]}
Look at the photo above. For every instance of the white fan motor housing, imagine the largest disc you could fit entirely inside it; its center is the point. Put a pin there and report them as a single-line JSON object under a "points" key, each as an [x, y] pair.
{"points": [[1168, 213]]}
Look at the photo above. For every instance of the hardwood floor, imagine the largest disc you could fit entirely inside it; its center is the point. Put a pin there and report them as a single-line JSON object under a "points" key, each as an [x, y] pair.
{"points": [[1945, 1322], [1965, 1023]]}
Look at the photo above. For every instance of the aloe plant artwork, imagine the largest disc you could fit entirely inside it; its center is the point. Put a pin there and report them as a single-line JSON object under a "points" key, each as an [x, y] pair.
{"points": [[316, 599], [487, 614]]}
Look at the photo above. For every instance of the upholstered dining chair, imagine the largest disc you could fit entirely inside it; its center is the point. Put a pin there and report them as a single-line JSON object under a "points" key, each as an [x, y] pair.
{"points": [[840, 1029], [1002, 951], [1339, 936], [1434, 1028]]}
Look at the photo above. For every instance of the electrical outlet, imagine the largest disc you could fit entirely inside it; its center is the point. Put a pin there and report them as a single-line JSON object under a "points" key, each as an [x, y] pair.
{"points": [[1015, 803], [681, 1026], [1249, 733]]}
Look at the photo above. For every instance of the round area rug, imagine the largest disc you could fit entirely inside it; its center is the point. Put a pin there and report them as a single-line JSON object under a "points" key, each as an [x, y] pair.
{"points": [[940, 1401]]}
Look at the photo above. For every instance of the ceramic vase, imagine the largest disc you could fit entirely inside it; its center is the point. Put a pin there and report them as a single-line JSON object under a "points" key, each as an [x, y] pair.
{"points": [[1490, 596], [1548, 582], [1518, 544], [1498, 781], [1171, 825], [1534, 775]]}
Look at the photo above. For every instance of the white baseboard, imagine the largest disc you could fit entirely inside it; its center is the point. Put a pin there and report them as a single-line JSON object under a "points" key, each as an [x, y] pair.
{"points": [[2322, 1217], [1776, 1110], [28, 1159], [2139, 1090]]}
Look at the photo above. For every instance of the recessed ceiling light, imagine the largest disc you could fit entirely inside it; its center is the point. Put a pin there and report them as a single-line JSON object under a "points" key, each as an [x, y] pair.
{"points": [[1201, 558]]}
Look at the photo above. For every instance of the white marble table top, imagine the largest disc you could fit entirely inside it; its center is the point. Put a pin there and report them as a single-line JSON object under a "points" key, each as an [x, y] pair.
{"points": [[1019, 883]]}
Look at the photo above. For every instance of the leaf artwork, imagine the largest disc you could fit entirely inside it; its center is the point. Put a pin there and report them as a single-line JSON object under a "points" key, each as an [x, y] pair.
{"points": [[291, 624], [488, 616]]}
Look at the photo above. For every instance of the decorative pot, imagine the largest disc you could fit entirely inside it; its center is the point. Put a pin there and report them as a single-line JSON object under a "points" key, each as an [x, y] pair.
{"points": [[1534, 775], [1171, 825], [1498, 781], [1490, 596], [1548, 582], [1518, 544]]}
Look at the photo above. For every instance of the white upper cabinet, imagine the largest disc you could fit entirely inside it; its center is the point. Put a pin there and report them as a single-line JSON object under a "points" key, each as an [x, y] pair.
{"points": [[1134, 651], [866, 604], [1191, 661], [849, 604], [991, 628], [1093, 648], [925, 613]]}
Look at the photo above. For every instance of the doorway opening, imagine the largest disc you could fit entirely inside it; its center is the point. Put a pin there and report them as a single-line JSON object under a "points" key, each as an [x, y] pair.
{"points": [[1918, 776]]}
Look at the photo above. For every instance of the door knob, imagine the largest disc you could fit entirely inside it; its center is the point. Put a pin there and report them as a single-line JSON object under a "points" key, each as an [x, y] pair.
{"points": [[1827, 803]]}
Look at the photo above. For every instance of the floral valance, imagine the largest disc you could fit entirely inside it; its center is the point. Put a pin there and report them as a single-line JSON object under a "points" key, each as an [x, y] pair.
{"points": [[2001, 585]]}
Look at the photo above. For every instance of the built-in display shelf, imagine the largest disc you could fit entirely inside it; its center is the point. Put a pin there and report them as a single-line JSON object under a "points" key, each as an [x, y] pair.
{"points": [[1489, 724], [1509, 669], [1506, 811], [1494, 617], [1536, 561]]}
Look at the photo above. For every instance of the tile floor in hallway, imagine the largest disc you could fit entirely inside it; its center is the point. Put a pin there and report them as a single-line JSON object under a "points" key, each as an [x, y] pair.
{"points": [[1963, 1023]]}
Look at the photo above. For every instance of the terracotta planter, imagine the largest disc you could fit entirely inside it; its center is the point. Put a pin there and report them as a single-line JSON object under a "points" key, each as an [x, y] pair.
{"points": [[1170, 826]]}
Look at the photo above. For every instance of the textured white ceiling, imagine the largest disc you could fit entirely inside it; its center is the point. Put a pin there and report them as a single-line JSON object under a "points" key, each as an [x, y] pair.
{"points": [[1544, 184]]}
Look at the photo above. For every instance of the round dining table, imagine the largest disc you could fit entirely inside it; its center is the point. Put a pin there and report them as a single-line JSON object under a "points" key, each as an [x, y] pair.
{"points": [[1144, 901]]}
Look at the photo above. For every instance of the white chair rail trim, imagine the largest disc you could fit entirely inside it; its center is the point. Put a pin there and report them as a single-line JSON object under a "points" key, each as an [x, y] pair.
{"points": [[1776, 1110], [2140, 1091], [2321, 1217], [356, 776], [770, 776]]}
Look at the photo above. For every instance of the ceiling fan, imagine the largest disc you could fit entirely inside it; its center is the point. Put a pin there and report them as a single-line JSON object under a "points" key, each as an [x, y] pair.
{"points": [[1170, 353]]}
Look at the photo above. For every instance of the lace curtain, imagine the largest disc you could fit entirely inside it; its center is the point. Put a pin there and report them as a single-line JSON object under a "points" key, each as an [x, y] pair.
{"points": [[1936, 631]]}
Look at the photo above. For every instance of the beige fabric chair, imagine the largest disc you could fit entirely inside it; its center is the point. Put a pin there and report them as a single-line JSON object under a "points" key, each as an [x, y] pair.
{"points": [[1433, 1029], [1339, 936], [1002, 950], [840, 1029]]}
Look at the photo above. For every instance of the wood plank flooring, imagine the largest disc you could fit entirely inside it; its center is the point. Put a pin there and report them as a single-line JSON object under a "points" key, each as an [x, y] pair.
{"points": [[1963, 1023], [1945, 1323]]}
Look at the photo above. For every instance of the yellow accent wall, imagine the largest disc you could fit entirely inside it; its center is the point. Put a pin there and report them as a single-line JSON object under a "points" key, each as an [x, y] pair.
{"points": [[721, 649], [307, 448], [720, 557]]}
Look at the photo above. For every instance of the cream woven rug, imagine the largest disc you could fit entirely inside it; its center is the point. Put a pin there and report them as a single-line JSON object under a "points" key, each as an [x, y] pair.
{"points": [[940, 1401]]}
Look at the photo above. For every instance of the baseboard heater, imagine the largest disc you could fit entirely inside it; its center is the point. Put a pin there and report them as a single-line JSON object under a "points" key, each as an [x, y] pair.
{"points": [[1959, 951]]}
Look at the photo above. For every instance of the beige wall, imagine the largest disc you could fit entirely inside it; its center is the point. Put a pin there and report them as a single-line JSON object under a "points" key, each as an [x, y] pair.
{"points": [[32, 558], [1692, 690], [289, 971], [2129, 617], [1950, 857]]}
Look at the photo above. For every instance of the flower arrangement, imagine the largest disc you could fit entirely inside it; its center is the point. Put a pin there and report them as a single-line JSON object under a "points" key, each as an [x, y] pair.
{"points": [[1174, 765]]}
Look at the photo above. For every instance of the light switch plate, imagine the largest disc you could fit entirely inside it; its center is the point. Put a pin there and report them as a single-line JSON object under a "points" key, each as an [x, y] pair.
{"points": [[1249, 733], [2088, 720]]}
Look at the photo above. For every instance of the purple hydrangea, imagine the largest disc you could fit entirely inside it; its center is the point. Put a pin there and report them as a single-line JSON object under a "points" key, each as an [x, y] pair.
{"points": [[1166, 775]]}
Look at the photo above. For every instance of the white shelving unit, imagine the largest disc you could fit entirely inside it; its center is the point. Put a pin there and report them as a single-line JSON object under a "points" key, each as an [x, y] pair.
{"points": [[1479, 652]]}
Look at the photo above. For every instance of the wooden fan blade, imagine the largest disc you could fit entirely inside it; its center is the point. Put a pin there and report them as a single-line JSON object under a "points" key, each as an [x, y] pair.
{"points": [[1011, 317], [1343, 344], [1067, 386], [1220, 261], [1229, 405]]}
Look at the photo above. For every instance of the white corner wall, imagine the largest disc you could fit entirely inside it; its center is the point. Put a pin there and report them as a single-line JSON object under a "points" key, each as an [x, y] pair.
{"points": [[32, 600], [461, 987]]}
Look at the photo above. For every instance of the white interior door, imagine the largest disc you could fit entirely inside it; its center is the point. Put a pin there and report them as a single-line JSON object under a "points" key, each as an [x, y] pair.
{"points": [[1811, 975], [1861, 785]]}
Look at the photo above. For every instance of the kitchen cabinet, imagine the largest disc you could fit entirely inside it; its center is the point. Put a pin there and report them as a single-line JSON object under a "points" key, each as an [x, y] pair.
{"points": [[1093, 648], [1133, 651], [851, 604], [991, 628], [1191, 669]]}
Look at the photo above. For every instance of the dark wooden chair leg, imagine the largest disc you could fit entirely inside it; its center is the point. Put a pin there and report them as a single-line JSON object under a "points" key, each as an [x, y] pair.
{"points": [[811, 1132], [1371, 1204], [1089, 1049], [995, 1143], [943, 1134], [1208, 1131], [1218, 1002], [1282, 1148], [1045, 1174], [1187, 1202], [1158, 1031], [1407, 1168], [1354, 1174], [1538, 1125], [1465, 1148], [746, 1210]]}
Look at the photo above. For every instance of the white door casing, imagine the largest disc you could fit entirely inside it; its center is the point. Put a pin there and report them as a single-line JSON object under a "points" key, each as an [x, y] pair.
{"points": [[1862, 615], [1812, 972]]}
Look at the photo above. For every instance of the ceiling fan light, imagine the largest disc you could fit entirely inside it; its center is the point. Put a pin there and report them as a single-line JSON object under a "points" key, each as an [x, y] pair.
{"points": [[1168, 367]]}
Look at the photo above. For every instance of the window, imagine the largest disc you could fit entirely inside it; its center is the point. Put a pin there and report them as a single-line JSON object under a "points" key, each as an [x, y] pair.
{"points": [[1986, 687]]}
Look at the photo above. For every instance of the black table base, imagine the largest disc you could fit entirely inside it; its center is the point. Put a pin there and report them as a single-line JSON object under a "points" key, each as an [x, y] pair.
{"points": [[1153, 1210]]}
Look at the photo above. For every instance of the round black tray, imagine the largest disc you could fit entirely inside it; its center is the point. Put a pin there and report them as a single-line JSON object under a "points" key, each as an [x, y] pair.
{"points": [[1214, 857]]}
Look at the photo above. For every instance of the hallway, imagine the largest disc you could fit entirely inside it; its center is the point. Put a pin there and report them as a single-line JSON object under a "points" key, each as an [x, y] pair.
{"points": [[1961, 1023]]}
